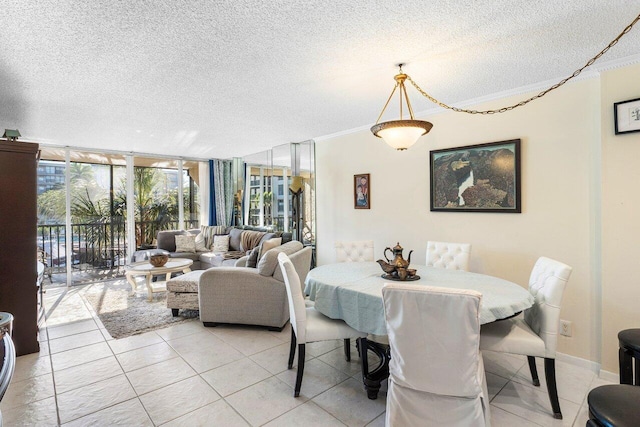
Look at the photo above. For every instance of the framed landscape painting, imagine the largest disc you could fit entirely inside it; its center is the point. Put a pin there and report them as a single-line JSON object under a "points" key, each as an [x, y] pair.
{"points": [[362, 191], [477, 178]]}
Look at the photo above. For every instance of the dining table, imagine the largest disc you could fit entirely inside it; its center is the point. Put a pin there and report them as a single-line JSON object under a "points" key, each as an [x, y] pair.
{"points": [[352, 291]]}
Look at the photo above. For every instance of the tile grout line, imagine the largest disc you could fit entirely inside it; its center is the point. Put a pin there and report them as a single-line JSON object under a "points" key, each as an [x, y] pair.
{"points": [[71, 367], [99, 322], [166, 341], [186, 362], [248, 357], [53, 376]]}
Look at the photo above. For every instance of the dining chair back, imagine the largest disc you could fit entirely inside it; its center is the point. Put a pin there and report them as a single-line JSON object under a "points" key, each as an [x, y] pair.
{"points": [[297, 308], [354, 251], [309, 325], [536, 333], [547, 283], [436, 373], [452, 256]]}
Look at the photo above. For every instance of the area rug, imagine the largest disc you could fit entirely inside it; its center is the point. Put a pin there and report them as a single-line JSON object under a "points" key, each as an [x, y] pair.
{"points": [[124, 315]]}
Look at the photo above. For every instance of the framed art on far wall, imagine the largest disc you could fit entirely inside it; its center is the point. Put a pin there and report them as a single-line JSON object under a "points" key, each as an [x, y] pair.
{"points": [[627, 116], [362, 191], [477, 178]]}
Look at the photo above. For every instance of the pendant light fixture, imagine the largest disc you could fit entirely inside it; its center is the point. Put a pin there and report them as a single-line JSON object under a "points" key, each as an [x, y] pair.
{"points": [[400, 134]]}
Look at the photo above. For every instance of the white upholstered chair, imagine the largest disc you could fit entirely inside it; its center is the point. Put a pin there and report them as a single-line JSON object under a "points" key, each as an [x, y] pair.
{"points": [[452, 256], [436, 372], [309, 325], [355, 251], [536, 333]]}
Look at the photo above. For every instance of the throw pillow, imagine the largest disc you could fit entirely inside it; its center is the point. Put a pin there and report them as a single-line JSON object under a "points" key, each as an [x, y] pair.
{"points": [[234, 242], [269, 244], [186, 243], [252, 261], [209, 231], [221, 243], [200, 245], [269, 262], [166, 239]]}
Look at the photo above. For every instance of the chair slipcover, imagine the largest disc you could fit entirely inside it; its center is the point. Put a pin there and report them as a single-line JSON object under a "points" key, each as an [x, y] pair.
{"points": [[452, 256], [357, 251], [436, 373]]}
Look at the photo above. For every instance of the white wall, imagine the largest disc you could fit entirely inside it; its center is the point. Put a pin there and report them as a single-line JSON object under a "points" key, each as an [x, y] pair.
{"points": [[620, 216], [560, 136]]}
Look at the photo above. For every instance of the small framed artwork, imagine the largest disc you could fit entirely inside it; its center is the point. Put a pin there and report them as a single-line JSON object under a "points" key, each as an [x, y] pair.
{"points": [[362, 191], [627, 116], [477, 178]]}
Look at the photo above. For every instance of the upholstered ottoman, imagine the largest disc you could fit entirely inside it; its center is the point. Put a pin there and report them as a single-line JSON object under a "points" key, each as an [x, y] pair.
{"points": [[182, 292]]}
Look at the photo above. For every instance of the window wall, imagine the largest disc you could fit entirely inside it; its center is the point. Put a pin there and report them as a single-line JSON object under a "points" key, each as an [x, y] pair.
{"points": [[280, 188], [259, 197], [91, 211]]}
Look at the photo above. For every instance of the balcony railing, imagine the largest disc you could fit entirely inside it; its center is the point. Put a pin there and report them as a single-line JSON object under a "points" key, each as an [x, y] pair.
{"points": [[96, 246]]}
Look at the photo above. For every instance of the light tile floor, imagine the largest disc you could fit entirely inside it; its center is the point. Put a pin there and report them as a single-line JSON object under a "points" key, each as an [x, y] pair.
{"points": [[189, 375]]}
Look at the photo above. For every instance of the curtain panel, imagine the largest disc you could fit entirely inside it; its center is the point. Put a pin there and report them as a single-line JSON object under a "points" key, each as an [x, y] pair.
{"points": [[221, 184]]}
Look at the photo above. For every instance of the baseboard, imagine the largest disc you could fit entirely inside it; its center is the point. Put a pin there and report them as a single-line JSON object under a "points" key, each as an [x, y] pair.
{"points": [[610, 376], [577, 361], [590, 365]]}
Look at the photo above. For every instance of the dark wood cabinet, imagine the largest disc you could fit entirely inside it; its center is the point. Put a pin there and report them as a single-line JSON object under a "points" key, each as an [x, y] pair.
{"points": [[18, 247]]}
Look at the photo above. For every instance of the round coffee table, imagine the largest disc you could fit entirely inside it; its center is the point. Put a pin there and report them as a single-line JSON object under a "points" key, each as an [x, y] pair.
{"points": [[144, 268]]}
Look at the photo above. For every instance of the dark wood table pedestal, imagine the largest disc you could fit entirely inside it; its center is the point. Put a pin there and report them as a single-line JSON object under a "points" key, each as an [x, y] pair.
{"points": [[372, 378]]}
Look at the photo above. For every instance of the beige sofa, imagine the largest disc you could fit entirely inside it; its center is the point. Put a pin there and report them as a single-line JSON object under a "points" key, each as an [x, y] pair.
{"points": [[251, 296]]}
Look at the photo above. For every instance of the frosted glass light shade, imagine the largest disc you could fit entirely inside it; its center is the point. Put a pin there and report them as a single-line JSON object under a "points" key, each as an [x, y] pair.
{"points": [[401, 134]]}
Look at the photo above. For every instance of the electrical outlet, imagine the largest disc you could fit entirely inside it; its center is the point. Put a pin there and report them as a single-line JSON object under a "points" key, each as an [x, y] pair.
{"points": [[566, 328]]}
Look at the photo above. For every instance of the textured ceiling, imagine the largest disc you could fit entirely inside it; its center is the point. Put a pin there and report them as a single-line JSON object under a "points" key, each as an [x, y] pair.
{"points": [[228, 78]]}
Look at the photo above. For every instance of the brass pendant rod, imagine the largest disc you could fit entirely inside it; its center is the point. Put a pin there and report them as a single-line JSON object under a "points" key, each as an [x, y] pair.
{"points": [[385, 105], [400, 91], [404, 88], [539, 95]]}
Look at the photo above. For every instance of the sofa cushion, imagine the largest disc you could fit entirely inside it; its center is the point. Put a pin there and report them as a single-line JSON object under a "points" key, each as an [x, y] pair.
{"points": [[269, 261], [200, 244], [167, 239], [210, 259], [221, 243], [185, 243], [234, 239], [193, 256], [208, 231], [269, 236], [301, 260], [267, 245]]}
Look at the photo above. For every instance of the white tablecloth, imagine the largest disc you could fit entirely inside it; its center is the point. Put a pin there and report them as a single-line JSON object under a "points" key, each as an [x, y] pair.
{"points": [[352, 291]]}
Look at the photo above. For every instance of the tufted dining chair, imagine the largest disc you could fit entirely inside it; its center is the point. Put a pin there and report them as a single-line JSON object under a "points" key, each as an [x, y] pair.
{"points": [[452, 256], [309, 325], [436, 372], [354, 251], [536, 333]]}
